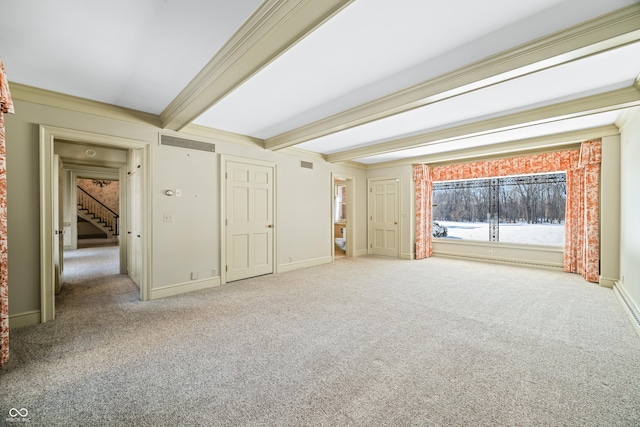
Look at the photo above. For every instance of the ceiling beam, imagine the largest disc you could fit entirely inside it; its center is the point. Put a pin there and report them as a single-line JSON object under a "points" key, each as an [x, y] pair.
{"points": [[613, 100], [510, 148], [275, 26], [595, 36]]}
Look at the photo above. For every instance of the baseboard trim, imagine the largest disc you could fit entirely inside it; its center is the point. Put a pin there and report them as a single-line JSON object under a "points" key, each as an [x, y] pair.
{"points": [[508, 261], [283, 268], [360, 252], [406, 256], [607, 282], [28, 318], [182, 288], [628, 305]]}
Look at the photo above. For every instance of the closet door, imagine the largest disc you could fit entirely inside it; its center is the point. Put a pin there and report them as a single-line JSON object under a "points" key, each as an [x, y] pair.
{"points": [[249, 220], [383, 217]]}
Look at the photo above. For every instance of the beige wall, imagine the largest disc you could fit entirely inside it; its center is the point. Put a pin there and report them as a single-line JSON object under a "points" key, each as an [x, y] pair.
{"points": [[630, 208], [610, 211], [191, 243]]}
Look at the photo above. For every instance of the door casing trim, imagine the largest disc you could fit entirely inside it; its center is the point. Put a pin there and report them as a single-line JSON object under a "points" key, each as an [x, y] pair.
{"points": [[47, 138]]}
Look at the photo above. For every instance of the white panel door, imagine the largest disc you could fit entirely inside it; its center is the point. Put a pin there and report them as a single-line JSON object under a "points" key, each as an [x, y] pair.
{"points": [[383, 217], [134, 217], [58, 224], [249, 220]]}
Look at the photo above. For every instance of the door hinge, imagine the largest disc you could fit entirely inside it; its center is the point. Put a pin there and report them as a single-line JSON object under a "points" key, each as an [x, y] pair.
{"points": [[226, 175], [226, 268], [226, 222], [371, 245]]}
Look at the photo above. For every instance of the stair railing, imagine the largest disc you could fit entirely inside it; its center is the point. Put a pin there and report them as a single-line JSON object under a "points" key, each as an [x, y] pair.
{"points": [[100, 212]]}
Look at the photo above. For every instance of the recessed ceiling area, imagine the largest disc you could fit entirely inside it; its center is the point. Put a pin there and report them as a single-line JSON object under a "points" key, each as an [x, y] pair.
{"points": [[362, 81], [605, 72], [496, 137]]}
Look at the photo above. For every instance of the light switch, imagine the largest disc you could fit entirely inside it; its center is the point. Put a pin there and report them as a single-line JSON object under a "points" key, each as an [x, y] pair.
{"points": [[178, 192]]}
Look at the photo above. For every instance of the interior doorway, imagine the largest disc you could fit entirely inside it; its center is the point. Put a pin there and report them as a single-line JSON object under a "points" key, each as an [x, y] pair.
{"points": [[93, 156], [343, 216], [89, 204], [91, 212], [340, 206]]}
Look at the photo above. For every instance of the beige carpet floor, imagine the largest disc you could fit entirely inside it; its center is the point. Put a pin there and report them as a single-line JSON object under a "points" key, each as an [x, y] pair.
{"points": [[362, 342]]}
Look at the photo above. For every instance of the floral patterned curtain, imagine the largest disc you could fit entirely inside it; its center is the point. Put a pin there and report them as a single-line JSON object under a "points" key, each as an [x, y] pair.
{"points": [[424, 190], [522, 165], [582, 238], [582, 248], [6, 106]]}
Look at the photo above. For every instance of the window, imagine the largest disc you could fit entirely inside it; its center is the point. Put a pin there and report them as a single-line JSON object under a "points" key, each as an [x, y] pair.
{"points": [[527, 209]]}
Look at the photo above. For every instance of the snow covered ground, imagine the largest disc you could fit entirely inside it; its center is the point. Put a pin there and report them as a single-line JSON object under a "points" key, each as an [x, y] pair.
{"points": [[533, 234]]}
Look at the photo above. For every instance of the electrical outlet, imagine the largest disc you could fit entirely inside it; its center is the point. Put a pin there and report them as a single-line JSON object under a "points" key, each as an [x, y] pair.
{"points": [[490, 252], [167, 217], [194, 275], [213, 271], [290, 259]]}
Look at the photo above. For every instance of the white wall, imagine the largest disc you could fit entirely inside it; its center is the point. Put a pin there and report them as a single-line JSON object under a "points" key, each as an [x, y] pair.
{"points": [[630, 208]]}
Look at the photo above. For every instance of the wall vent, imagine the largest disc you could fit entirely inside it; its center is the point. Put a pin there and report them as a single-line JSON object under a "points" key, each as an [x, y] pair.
{"points": [[306, 165], [187, 143]]}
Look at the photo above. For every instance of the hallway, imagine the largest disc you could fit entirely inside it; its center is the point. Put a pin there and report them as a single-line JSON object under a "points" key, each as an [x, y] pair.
{"points": [[94, 273]]}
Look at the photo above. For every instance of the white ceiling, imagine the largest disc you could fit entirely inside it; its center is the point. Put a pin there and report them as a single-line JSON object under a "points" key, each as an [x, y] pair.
{"points": [[143, 54]]}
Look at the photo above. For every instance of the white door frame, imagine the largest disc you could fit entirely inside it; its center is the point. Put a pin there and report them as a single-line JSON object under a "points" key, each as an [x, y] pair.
{"points": [[351, 213], [369, 213], [47, 136], [223, 210]]}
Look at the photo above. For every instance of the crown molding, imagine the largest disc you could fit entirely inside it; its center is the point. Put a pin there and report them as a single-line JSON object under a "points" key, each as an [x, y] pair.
{"points": [[624, 116], [272, 29], [352, 164], [218, 135], [81, 105], [616, 99], [539, 144], [594, 36], [298, 152]]}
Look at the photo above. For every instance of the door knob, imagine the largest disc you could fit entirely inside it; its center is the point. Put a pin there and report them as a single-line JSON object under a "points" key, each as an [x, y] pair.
{"points": [[270, 225], [395, 222]]}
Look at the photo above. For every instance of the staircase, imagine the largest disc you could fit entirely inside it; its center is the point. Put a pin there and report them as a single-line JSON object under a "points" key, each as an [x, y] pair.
{"points": [[97, 213]]}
